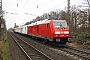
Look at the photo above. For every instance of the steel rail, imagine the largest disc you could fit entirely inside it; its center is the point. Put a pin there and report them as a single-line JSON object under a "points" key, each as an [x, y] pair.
{"points": [[76, 52], [80, 50], [33, 48], [28, 57]]}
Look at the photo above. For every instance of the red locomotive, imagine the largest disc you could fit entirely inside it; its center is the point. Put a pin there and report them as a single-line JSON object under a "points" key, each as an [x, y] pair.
{"points": [[49, 31]]}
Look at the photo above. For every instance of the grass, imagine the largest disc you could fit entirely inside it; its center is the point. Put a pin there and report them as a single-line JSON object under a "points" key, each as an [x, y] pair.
{"points": [[0, 49], [5, 51], [5, 55], [78, 44]]}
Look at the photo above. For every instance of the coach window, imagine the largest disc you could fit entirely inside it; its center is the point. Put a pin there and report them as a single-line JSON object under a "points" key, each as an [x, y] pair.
{"points": [[48, 25]]}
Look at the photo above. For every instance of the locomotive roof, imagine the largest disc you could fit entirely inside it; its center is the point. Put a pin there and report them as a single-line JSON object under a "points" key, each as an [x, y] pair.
{"points": [[44, 21], [59, 20], [41, 22]]}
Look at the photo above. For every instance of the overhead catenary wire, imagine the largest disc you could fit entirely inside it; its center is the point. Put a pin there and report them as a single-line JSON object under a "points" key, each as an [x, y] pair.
{"points": [[43, 4], [37, 7], [23, 6], [54, 7]]}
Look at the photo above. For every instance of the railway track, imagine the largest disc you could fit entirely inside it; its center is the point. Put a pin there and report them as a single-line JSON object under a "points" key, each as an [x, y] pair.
{"points": [[73, 52], [83, 54], [29, 51]]}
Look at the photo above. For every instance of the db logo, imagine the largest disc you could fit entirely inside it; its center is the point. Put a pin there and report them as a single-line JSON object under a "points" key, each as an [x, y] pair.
{"points": [[61, 32]]}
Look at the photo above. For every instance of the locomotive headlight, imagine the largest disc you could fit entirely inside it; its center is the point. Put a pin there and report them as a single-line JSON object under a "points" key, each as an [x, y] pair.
{"points": [[57, 32], [66, 32]]}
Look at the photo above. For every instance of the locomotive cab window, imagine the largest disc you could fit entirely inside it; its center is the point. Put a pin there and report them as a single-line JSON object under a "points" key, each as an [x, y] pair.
{"points": [[48, 25], [60, 24]]}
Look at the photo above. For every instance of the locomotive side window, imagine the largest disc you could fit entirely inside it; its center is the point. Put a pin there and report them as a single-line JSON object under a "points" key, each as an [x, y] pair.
{"points": [[48, 25]]}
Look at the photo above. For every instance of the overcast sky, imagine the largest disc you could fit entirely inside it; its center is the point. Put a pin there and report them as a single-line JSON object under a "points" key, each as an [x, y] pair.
{"points": [[18, 8]]}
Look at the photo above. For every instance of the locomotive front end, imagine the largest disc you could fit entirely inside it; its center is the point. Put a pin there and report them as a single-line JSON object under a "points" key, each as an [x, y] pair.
{"points": [[61, 32]]}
